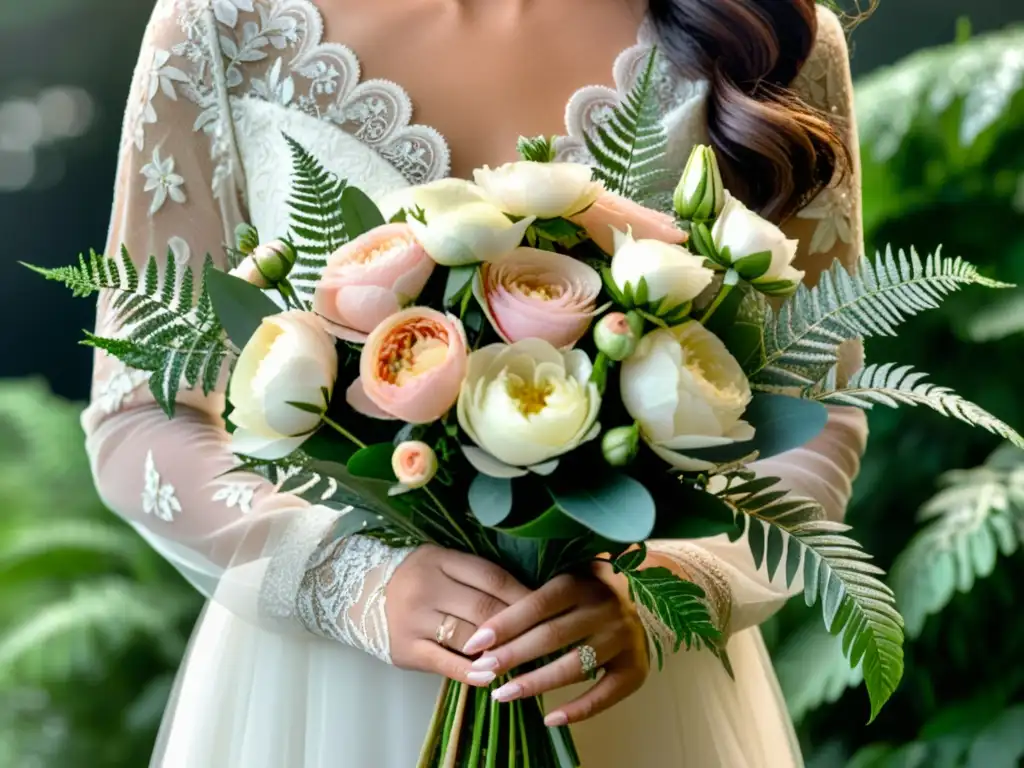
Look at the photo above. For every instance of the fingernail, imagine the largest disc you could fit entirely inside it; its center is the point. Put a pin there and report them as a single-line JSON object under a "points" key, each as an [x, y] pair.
{"points": [[481, 678], [481, 641], [556, 720], [488, 663], [508, 692]]}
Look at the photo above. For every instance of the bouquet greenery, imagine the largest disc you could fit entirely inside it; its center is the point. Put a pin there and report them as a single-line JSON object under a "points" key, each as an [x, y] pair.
{"points": [[499, 341]]}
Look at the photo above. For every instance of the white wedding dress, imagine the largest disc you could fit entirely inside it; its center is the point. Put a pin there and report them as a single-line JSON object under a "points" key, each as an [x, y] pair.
{"points": [[272, 679]]}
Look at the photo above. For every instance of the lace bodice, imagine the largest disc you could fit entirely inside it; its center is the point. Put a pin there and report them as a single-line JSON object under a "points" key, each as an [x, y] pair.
{"points": [[217, 83]]}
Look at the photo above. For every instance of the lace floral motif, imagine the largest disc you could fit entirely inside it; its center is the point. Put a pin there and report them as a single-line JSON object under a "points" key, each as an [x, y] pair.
{"points": [[239, 494], [162, 181], [112, 393], [158, 498], [342, 594]]}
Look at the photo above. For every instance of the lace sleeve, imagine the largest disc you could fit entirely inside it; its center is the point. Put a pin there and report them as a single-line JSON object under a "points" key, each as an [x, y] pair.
{"points": [[263, 554], [828, 229]]}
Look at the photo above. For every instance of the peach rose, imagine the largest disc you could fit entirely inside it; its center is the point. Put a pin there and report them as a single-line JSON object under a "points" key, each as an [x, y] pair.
{"points": [[370, 279], [614, 212], [414, 464], [411, 367], [531, 293]]}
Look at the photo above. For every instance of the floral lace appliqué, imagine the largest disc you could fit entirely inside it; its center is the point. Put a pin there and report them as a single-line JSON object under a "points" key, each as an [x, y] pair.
{"points": [[112, 393], [158, 498], [162, 181], [238, 494]]}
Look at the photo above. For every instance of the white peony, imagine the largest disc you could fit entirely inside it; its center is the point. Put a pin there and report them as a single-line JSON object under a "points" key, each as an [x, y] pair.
{"points": [[686, 391], [544, 190], [756, 248], [468, 234], [671, 271], [290, 359], [525, 404]]}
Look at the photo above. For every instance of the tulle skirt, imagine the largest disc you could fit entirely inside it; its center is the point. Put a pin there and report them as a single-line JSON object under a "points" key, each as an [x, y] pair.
{"points": [[248, 698]]}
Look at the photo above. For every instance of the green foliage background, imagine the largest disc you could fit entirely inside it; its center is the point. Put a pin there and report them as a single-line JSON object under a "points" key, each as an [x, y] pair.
{"points": [[92, 622]]}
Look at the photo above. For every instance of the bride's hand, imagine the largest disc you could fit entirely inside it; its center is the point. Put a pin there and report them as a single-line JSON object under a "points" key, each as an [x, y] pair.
{"points": [[442, 595], [567, 611]]}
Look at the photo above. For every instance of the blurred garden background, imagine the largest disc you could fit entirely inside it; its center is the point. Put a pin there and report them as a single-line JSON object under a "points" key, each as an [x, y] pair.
{"points": [[92, 623]]}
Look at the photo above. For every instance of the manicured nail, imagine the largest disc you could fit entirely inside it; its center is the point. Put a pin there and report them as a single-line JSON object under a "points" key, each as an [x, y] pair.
{"points": [[556, 720], [508, 692], [487, 663], [481, 641], [480, 678]]}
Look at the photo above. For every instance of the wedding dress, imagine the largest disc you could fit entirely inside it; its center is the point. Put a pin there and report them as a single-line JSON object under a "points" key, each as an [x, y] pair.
{"points": [[287, 668]]}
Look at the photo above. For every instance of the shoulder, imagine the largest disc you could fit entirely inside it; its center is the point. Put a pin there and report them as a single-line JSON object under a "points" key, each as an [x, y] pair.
{"points": [[824, 79]]}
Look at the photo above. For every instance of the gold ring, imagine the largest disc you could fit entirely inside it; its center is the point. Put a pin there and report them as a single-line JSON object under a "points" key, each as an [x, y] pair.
{"points": [[445, 631], [588, 660]]}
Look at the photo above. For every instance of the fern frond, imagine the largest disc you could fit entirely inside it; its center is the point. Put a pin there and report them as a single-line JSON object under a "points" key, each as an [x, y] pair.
{"points": [[317, 222], [812, 670], [973, 519], [855, 603], [894, 385], [802, 339], [94, 274], [629, 147]]}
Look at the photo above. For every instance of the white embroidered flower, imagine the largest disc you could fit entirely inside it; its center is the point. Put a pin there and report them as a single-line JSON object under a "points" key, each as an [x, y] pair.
{"points": [[162, 77], [158, 498], [833, 210], [237, 494], [226, 11], [273, 87], [112, 393], [162, 181]]}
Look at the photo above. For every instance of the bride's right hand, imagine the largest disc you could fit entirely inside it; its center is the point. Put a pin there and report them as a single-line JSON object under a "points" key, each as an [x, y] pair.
{"points": [[437, 587]]}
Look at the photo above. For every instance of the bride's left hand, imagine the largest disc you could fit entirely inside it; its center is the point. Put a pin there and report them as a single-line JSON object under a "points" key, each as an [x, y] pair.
{"points": [[567, 611]]}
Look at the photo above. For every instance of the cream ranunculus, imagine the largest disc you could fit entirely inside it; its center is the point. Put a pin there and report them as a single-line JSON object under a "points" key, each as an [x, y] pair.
{"points": [[671, 272], [544, 190], [756, 248], [290, 359], [468, 234], [525, 404], [686, 391]]}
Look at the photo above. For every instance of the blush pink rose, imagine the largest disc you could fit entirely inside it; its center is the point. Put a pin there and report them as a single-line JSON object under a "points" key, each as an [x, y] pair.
{"points": [[414, 463], [614, 211], [534, 294], [411, 367], [370, 279]]}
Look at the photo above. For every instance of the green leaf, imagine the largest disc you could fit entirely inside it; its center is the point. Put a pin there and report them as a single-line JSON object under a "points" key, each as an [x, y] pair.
{"points": [[373, 461], [552, 524], [753, 266], [359, 212], [326, 445], [240, 306], [490, 499], [855, 603], [614, 506], [560, 231], [458, 283], [538, 149], [693, 513], [812, 670]]}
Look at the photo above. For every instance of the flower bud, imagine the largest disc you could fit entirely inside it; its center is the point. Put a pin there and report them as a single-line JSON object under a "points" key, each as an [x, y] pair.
{"points": [[246, 238], [414, 463], [620, 445], [700, 195], [617, 334], [275, 260]]}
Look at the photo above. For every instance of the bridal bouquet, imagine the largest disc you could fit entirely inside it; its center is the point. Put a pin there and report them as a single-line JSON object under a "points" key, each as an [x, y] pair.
{"points": [[549, 365]]}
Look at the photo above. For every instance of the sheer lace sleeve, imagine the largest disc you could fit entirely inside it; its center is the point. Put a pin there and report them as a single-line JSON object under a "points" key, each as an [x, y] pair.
{"points": [[829, 228], [266, 555]]}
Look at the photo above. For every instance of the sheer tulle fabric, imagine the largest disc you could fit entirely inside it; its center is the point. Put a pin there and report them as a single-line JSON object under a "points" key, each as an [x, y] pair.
{"points": [[258, 689]]}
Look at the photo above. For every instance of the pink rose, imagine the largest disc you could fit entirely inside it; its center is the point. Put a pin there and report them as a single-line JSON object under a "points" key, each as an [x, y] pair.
{"points": [[614, 211], [536, 294], [414, 463], [369, 279], [411, 367]]}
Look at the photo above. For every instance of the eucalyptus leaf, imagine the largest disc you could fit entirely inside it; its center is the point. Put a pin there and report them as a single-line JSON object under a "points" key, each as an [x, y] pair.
{"points": [[240, 306], [695, 514], [613, 505], [325, 445], [552, 524], [490, 499], [373, 461], [359, 212]]}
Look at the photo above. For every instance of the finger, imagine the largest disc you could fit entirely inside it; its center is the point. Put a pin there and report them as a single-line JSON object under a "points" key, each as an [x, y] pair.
{"points": [[552, 599], [619, 682], [469, 604], [547, 638], [483, 575], [563, 671], [447, 630], [433, 658]]}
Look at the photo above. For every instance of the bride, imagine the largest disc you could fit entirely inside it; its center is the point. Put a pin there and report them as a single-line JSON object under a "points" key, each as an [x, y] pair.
{"points": [[317, 650]]}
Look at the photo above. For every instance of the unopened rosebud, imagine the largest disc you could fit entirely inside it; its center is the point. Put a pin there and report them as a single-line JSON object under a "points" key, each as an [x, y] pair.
{"points": [[246, 238], [414, 463], [620, 445], [268, 265], [617, 334], [700, 195]]}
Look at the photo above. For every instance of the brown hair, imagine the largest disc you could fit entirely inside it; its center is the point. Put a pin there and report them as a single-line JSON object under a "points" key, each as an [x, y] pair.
{"points": [[776, 151]]}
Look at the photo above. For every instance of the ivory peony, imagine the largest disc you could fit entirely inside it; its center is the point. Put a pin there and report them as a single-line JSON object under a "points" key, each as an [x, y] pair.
{"points": [[686, 391], [525, 404], [369, 279], [538, 294], [411, 367], [671, 271], [543, 190], [468, 234], [290, 359], [756, 248]]}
